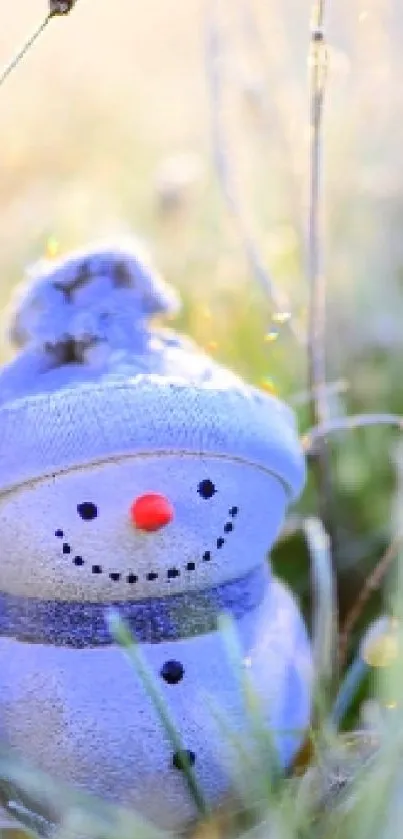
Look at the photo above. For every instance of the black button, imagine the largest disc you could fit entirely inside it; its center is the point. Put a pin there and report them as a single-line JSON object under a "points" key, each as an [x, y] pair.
{"points": [[179, 757], [172, 672]]}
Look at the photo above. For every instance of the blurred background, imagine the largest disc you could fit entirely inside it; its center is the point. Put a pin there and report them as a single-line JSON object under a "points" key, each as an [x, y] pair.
{"points": [[110, 126]]}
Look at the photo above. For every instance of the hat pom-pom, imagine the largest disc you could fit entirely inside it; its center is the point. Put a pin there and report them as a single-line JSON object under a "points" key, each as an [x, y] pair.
{"points": [[100, 296]]}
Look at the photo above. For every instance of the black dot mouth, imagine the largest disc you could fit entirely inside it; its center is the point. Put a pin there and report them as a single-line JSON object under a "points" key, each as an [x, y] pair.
{"points": [[130, 577]]}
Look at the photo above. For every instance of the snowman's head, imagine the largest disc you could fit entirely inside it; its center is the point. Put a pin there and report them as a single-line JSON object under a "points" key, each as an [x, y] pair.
{"points": [[138, 526], [131, 465]]}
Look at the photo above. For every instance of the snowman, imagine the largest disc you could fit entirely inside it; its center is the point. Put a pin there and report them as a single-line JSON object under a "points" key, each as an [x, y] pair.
{"points": [[138, 474]]}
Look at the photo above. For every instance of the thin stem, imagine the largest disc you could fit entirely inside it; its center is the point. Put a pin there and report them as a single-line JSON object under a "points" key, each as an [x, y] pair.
{"points": [[348, 690], [324, 629], [314, 436], [317, 316], [316, 273], [371, 584], [277, 101], [214, 59], [24, 49], [57, 8], [304, 397]]}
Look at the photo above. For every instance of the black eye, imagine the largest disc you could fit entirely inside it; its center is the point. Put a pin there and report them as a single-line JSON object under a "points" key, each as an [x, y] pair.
{"points": [[87, 510], [206, 489]]}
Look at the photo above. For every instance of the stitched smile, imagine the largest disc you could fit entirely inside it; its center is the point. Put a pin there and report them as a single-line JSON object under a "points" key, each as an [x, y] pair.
{"points": [[130, 577]]}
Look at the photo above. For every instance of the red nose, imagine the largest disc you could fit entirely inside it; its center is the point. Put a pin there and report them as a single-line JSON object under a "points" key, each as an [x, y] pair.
{"points": [[151, 512]]}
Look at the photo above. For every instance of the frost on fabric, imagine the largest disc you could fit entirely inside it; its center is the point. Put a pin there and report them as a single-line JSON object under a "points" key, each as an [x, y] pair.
{"points": [[90, 316]]}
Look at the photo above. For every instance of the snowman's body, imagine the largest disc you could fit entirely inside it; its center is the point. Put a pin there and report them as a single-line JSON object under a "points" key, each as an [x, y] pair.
{"points": [[82, 714], [94, 451]]}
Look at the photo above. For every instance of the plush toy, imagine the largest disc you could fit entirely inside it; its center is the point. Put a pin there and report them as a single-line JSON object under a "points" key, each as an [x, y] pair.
{"points": [[136, 472]]}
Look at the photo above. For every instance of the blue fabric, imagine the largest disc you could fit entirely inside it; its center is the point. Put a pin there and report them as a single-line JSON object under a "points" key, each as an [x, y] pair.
{"points": [[87, 317], [152, 620], [86, 321]]}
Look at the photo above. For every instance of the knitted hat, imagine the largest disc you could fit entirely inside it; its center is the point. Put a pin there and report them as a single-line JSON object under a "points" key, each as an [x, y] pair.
{"points": [[94, 379]]}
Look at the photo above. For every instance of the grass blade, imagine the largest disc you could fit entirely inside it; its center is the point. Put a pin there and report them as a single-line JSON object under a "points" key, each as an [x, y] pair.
{"points": [[123, 636]]}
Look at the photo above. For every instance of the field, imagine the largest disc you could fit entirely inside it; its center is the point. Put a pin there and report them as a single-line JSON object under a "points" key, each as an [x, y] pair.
{"points": [[110, 126]]}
